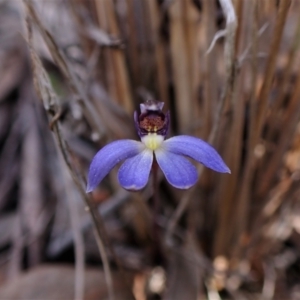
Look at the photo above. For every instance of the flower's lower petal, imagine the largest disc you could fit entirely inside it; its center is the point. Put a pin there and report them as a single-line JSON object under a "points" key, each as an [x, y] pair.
{"points": [[198, 150], [108, 157], [134, 172], [178, 170]]}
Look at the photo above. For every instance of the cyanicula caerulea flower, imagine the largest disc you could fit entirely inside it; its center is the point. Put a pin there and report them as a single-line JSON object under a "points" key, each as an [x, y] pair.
{"points": [[152, 126]]}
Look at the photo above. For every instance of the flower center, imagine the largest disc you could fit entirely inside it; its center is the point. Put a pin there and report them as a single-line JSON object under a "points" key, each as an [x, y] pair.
{"points": [[152, 121], [152, 140]]}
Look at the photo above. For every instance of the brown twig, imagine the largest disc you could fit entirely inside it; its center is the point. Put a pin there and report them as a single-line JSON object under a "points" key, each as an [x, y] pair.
{"points": [[59, 58], [50, 101]]}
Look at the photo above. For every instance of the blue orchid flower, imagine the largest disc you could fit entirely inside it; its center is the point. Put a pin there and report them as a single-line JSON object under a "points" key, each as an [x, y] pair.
{"points": [[152, 126]]}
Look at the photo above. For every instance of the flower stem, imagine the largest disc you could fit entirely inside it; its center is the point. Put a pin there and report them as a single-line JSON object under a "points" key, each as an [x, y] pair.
{"points": [[157, 249]]}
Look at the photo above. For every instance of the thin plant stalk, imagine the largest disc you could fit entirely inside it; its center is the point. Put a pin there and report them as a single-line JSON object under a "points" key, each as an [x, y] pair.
{"points": [[46, 93], [157, 248]]}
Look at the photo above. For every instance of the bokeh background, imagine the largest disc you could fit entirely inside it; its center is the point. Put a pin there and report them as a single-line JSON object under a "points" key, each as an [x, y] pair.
{"points": [[72, 72]]}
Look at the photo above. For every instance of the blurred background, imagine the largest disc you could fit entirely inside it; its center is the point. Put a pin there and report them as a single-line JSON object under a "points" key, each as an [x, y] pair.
{"points": [[72, 72]]}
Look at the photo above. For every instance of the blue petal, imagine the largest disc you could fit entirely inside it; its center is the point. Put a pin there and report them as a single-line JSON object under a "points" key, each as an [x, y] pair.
{"points": [[108, 157], [178, 170], [198, 150], [134, 173]]}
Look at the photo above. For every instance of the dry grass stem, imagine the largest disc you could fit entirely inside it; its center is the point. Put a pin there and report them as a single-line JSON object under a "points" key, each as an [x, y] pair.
{"points": [[51, 105]]}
